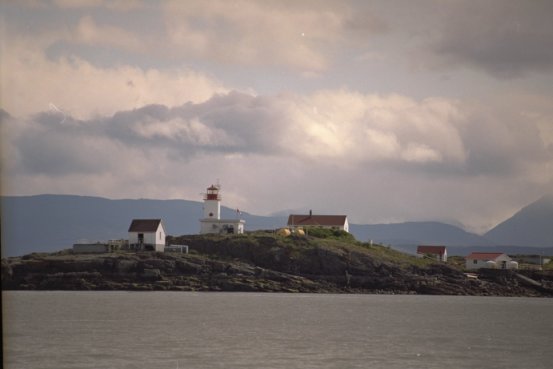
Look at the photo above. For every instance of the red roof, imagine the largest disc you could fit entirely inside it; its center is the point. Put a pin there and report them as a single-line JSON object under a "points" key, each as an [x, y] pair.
{"points": [[439, 250], [484, 255], [144, 225], [317, 220]]}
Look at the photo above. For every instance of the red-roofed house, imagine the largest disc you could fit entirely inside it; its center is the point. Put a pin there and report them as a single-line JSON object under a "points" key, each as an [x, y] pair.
{"points": [[436, 252], [147, 234], [323, 221], [492, 260]]}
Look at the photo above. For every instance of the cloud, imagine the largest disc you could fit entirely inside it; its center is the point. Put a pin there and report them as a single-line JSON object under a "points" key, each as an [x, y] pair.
{"points": [[504, 142], [375, 157], [335, 127], [90, 33], [117, 5], [367, 128], [506, 39], [82, 90], [117, 104], [296, 35]]}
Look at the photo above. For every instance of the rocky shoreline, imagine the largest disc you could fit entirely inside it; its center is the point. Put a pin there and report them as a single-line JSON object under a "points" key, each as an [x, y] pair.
{"points": [[265, 263]]}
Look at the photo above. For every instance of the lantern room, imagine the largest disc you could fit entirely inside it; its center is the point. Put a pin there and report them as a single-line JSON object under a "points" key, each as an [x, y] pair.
{"points": [[212, 193]]}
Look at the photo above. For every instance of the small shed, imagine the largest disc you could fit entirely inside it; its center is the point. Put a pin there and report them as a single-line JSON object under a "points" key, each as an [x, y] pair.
{"points": [[435, 252], [490, 260], [147, 234]]}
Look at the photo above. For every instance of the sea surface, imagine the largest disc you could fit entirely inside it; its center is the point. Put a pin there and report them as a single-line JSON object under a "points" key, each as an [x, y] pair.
{"points": [[168, 330]]}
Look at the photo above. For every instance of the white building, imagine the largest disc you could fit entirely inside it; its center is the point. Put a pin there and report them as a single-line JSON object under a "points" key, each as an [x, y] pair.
{"points": [[324, 221], [147, 234], [490, 260], [212, 222]]}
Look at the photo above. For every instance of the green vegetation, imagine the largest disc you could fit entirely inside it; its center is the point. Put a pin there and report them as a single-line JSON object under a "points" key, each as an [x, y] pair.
{"points": [[456, 262], [323, 260], [302, 253], [335, 234]]}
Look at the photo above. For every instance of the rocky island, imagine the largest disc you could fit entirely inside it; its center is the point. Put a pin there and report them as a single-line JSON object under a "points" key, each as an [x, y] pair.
{"points": [[323, 262]]}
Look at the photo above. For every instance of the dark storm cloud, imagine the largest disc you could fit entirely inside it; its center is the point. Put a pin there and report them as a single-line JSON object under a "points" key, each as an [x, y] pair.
{"points": [[502, 37], [54, 144], [231, 123], [502, 144], [51, 143]]}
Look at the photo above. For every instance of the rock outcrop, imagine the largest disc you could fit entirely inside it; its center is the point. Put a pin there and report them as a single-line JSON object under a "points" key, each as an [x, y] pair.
{"points": [[263, 262]]}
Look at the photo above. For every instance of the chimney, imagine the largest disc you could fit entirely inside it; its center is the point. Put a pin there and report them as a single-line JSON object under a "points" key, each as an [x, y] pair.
{"points": [[310, 213]]}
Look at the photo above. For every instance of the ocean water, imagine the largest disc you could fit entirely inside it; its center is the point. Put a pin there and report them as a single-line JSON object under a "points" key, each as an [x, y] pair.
{"points": [[168, 330]]}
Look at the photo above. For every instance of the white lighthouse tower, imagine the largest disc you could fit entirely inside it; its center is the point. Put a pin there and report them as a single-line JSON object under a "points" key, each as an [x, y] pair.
{"points": [[212, 203], [211, 221]]}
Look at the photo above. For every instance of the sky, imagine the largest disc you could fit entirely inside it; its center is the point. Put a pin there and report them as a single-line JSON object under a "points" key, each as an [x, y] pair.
{"points": [[386, 111]]}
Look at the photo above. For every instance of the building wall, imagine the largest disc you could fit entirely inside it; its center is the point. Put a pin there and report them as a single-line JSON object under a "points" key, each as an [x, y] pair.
{"points": [[476, 264], [345, 227], [221, 226], [470, 264], [212, 207], [438, 257]]}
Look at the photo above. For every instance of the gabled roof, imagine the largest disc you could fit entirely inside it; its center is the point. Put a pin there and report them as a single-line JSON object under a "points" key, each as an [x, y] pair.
{"points": [[316, 220], [144, 225], [423, 249], [484, 255]]}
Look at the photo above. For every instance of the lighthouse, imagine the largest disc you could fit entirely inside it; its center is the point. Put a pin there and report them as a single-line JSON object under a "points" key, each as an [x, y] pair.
{"points": [[212, 203], [211, 221]]}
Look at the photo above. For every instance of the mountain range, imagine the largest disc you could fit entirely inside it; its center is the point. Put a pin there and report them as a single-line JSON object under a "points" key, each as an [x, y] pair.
{"points": [[45, 223]]}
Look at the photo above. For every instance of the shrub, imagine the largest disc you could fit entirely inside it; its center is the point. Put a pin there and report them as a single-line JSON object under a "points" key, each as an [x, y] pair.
{"points": [[336, 234]]}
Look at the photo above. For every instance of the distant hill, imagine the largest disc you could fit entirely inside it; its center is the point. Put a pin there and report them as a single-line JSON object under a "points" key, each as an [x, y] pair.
{"points": [[531, 226], [418, 233], [46, 223]]}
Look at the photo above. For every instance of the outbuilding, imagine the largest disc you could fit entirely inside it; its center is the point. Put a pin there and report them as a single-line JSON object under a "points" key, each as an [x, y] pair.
{"points": [[147, 234], [434, 252], [490, 260]]}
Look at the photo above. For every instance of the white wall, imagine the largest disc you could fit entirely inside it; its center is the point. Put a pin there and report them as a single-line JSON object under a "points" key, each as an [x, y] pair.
{"points": [[156, 238], [218, 226], [212, 207], [475, 264], [470, 264]]}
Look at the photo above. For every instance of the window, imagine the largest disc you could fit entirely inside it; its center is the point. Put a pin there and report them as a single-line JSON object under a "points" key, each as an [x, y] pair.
{"points": [[475, 261]]}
